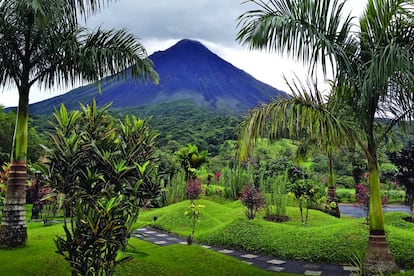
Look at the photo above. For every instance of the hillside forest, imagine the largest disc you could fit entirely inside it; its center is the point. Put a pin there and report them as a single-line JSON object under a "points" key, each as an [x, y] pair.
{"points": [[179, 124]]}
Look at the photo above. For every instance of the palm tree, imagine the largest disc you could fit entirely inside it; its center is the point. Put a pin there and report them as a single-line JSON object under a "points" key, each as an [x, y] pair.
{"points": [[372, 64], [307, 116], [43, 43]]}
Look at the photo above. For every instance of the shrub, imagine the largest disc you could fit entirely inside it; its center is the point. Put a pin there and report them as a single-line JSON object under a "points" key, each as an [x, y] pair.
{"points": [[345, 181], [174, 189], [193, 188], [345, 195], [96, 234], [194, 213], [105, 169], [362, 197], [277, 200], [252, 199], [308, 192], [233, 180]]}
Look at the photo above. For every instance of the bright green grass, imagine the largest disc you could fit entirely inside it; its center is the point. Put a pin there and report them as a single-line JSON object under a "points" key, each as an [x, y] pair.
{"points": [[38, 258], [326, 239]]}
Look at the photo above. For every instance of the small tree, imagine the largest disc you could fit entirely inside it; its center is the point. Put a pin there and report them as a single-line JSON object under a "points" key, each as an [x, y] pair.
{"points": [[105, 169], [404, 160], [194, 213], [253, 199], [191, 159], [304, 190]]}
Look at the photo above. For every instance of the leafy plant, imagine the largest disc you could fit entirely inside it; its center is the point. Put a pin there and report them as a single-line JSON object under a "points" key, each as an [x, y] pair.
{"points": [[277, 200], [194, 213], [174, 189], [362, 196], [253, 199], [193, 188], [233, 180], [191, 159], [97, 232], [105, 169], [306, 192]]}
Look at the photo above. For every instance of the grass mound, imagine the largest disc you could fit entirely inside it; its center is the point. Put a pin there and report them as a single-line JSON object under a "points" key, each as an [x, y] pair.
{"points": [[327, 239]]}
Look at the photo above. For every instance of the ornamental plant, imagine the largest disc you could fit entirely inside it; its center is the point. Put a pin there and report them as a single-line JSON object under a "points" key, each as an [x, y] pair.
{"points": [[362, 197], [277, 200], [253, 199], [96, 234], [307, 193], [105, 169], [194, 213], [193, 188]]}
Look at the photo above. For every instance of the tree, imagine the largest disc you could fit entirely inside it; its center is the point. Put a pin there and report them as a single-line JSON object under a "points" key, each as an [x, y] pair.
{"points": [[372, 65], [404, 160], [105, 169], [7, 121], [308, 117], [190, 159], [42, 42]]}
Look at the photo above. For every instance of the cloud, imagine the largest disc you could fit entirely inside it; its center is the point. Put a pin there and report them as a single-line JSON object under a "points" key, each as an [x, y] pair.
{"points": [[161, 23], [212, 20]]}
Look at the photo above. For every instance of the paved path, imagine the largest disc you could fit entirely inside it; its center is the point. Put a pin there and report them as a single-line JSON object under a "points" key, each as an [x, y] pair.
{"points": [[356, 211], [264, 262]]}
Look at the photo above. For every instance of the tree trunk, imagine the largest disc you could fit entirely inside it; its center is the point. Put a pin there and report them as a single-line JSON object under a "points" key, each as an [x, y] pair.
{"points": [[332, 209], [378, 258], [13, 231]]}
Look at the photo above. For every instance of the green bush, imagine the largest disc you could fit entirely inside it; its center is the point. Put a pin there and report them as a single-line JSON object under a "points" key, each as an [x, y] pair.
{"points": [[345, 181], [96, 234], [174, 190], [345, 195], [277, 199], [234, 180], [105, 169]]}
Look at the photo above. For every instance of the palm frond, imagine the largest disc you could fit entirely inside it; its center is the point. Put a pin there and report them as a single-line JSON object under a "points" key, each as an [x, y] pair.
{"points": [[310, 31], [306, 115]]}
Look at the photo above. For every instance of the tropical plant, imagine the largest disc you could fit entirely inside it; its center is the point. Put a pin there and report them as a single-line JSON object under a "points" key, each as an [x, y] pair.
{"points": [[96, 234], [194, 213], [304, 190], [43, 43], [253, 199], [94, 154], [175, 188], [404, 160], [277, 200], [191, 159], [193, 188], [234, 180], [106, 170], [362, 198], [372, 71]]}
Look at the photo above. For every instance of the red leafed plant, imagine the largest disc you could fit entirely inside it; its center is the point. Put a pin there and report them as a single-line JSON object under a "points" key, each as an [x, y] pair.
{"points": [[253, 199]]}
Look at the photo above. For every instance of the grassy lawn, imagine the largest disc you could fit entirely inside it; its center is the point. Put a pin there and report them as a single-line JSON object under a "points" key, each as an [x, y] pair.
{"points": [[38, 258], [326, 239]]}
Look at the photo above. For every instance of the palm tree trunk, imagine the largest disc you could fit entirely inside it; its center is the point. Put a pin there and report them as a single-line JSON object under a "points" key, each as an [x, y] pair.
{"points": [[378, 258], [13, 230], [332, 210]]}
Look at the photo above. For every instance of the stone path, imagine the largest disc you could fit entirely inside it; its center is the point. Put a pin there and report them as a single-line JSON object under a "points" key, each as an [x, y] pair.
{"points": [[264, 262]]}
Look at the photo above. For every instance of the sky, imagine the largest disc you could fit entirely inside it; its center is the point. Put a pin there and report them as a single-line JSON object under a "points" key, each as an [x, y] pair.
{"points": [[160, 24]]}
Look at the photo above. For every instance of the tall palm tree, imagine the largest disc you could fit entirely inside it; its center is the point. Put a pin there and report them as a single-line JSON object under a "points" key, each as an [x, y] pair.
{"points": [[307, 116], [372, 64], [43, 43]]}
